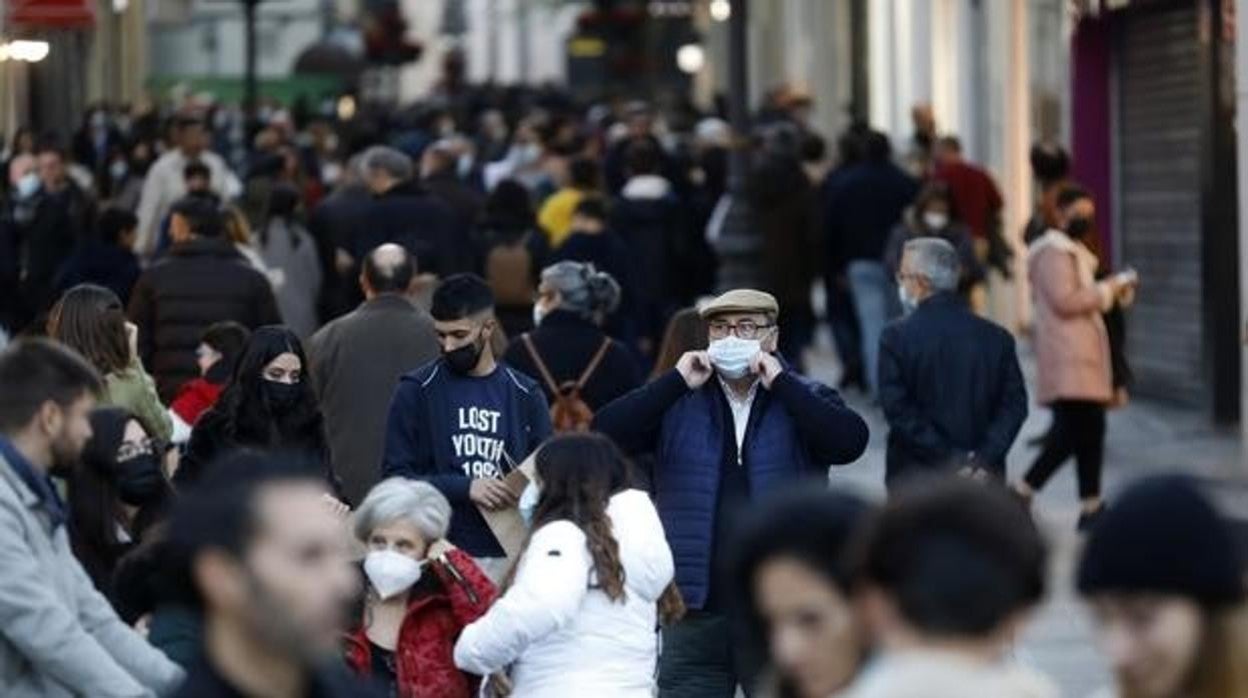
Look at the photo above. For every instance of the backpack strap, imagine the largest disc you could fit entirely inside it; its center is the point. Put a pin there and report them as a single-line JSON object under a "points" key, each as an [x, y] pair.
{"points": [[593, 364], [541, 365]]}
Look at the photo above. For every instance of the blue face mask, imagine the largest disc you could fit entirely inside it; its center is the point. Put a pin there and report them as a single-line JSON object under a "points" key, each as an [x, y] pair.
{"points": [[528, 503]]}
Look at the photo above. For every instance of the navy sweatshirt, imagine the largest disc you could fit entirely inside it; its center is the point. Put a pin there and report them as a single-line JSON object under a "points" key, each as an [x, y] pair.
{"points": [[448, 430]]}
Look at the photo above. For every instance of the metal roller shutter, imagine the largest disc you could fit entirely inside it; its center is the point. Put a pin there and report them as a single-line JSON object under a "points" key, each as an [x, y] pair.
{"points": [[1159, 139]]}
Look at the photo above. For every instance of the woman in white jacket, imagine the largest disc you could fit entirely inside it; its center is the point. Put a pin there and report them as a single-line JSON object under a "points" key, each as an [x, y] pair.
{"points": [[580, 616]]}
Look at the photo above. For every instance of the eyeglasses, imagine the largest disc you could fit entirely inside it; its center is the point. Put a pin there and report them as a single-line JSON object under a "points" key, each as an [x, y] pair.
{"points": [[904, 277], [745, 329], [128, 449]]}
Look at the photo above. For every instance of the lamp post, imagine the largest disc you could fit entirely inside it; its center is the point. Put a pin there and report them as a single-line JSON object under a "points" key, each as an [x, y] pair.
{"points": [[249, 70], [738, 242]]}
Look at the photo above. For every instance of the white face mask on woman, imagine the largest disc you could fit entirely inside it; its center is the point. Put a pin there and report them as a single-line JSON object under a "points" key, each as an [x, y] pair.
{"points": [[528, 502], [935, 220], [731, 355], [391, 573]]}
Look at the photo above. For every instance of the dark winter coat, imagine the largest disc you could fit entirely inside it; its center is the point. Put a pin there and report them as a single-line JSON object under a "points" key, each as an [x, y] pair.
{"points": [[796, 430], [861, 205], [199, 283], [566, 343], [95, 262], [413, 217], [949, 385], [214, 437]]}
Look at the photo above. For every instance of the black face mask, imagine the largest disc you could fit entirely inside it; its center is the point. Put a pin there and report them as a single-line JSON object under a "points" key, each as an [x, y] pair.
{"points": [[1078, 227], [281, 396], [139, 479], [465, 358]]}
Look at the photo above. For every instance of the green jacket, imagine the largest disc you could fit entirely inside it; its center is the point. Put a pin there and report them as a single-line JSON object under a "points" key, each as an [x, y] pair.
{"points": [[134, 390]]}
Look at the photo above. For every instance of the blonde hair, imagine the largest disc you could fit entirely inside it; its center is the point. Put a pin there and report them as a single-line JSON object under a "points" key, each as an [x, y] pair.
{"points": [[237, 229]]}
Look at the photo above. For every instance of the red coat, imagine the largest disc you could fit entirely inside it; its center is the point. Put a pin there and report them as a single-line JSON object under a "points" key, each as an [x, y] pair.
{"points": [[424, 657], [195, 398]]}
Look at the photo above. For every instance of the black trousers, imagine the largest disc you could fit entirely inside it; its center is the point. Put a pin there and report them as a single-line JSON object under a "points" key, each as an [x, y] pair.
{"points": [[1078, 430]]}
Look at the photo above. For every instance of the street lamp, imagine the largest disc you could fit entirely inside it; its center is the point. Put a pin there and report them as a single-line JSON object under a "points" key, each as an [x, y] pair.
{"points": [[690, 58], [249, 75], [24, 50], [738, 242]]}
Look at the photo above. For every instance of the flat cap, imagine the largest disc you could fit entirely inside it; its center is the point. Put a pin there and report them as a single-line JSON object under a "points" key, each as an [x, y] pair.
{"points": [[741, 300]]}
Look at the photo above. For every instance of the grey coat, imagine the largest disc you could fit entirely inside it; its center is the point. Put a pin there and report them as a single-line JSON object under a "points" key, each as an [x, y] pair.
{"points": [[58, 636], [290, 250], [356, 364]]}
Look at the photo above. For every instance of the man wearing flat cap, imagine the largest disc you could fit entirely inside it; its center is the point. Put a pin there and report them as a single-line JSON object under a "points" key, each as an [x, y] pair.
{"points": [[727, 426]]}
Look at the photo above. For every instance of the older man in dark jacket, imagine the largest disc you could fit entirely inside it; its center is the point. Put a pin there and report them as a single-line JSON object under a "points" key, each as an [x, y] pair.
{"points": [[949, 380], [357, 361], [719, 444], [204, 280], [403, 211]]}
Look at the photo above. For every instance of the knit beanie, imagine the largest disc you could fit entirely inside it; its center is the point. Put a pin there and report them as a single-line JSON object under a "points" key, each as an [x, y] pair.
{"points": [[1163, 536]]}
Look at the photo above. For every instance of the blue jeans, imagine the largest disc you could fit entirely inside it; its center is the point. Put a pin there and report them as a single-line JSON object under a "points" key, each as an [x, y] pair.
{"points": [[875, 304]]}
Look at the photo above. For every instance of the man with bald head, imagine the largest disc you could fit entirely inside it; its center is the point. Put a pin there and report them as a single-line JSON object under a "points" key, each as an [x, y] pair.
{"points": [[358, 358]]}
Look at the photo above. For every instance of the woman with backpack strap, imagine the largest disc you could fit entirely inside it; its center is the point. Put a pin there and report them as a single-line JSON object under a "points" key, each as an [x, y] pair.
{"points": [[576, 363]]}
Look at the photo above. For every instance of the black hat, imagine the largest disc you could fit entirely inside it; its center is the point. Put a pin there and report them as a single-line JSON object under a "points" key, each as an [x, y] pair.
{"points": [[1163, 536]]}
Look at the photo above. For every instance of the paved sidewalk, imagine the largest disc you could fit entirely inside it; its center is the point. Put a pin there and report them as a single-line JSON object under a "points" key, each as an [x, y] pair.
{"points": [[1143, 438]]}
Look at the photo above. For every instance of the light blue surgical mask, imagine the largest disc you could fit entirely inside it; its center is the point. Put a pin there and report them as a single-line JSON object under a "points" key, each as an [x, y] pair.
{"points": [[731, 356], [27, 185], [528, 502], [908, 304]]}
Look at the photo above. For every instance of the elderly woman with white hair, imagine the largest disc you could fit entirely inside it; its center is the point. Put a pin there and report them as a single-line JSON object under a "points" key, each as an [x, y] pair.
{"points": [[421, 594]]}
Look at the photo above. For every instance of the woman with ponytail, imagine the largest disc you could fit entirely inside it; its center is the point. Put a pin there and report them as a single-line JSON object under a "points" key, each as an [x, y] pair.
{"points": [[580, 613]]}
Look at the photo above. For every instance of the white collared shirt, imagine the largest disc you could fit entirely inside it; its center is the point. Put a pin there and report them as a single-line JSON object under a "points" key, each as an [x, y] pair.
{"points": [[741, 408]]}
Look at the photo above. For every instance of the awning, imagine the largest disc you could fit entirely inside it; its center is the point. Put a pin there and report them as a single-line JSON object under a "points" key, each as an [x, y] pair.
{"points": [[50, 14]]}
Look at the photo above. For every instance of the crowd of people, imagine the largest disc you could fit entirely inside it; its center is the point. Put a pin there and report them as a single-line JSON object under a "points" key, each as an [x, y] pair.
{"points": [[440, 403]]}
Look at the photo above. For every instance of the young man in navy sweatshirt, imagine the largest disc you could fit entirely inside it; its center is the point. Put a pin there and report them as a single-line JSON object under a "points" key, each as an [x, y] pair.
{"points": [[461, 421]]}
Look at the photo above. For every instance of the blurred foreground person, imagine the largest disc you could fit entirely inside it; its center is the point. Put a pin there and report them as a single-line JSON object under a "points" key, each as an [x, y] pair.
{"points": [[269, 405], [421, 593], [727, 425], [579, 615], [1165, 579], [268, 565], [59, 637], [357, 361], [948, 574], [950, 384], [463, 421], [116, 493], [794, 577]]}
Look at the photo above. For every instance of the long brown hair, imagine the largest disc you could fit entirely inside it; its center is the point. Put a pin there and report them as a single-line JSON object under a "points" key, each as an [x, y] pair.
{"points": [[579, 474], [1221, 668], [686, 331], [89, 320]]}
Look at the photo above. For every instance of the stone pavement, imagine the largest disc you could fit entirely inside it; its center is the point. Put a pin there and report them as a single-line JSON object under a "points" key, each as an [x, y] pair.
{"points": [[1143, 438]]}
